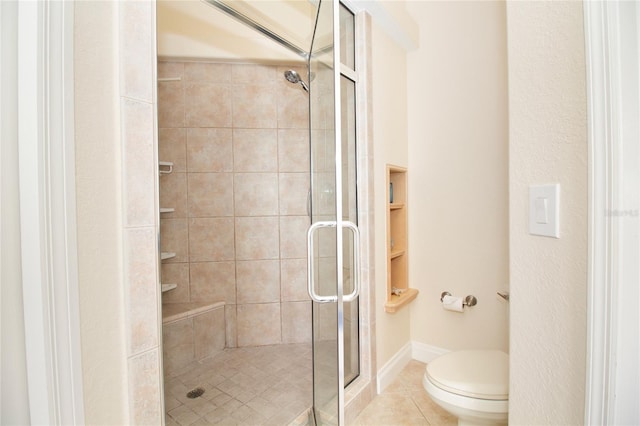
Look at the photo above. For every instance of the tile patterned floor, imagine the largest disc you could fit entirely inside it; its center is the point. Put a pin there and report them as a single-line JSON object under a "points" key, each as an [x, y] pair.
{"points": [[405, 402], [271, 386], [265, 385]]}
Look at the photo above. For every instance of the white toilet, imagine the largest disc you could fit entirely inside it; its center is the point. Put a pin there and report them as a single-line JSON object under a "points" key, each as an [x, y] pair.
{"points": [[472, 385]]}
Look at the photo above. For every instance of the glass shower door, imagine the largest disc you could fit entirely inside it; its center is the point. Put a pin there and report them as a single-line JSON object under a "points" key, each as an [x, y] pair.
{"points": [[333, 237]]}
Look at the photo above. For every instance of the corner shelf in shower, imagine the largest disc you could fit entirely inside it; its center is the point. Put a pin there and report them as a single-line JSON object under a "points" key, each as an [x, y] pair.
{"points": [[166, 255], [167, 209], [167, 287], [165, 167]]}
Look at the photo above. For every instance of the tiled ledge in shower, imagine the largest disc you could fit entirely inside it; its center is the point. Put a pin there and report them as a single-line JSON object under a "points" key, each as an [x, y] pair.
{"points": [[190, 332]]}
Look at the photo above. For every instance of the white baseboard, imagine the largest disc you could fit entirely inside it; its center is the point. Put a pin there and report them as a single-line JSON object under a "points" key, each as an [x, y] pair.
{"points": [[425, 353], [393, 367], [412, 350]]}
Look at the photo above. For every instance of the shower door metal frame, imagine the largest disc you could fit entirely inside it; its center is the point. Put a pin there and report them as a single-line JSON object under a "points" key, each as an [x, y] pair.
{"points": [[220, 5], [338, 222]]}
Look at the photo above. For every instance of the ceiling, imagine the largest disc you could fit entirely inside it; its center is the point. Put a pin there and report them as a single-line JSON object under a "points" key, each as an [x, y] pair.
{"points": [[193, 29]]}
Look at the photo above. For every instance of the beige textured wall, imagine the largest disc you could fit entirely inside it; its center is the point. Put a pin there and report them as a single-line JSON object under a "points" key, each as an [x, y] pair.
{"points": [[389, 110], [99, 214], [458, 173], [548, 143]]}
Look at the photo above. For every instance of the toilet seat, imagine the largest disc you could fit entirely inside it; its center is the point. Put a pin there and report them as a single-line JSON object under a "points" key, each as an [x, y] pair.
{"points": [[480, 374]]}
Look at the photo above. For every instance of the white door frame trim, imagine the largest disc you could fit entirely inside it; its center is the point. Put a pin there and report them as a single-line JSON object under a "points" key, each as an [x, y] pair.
{"points": [[611, 36], [48, 213]]}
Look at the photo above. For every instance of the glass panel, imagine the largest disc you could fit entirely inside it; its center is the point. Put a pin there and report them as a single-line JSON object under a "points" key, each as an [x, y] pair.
{"points": [[349, 213], [347, 38], [326, 383]]}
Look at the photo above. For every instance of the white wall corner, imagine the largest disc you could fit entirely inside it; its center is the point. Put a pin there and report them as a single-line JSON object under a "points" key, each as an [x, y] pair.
{"points": [[390, 370]]}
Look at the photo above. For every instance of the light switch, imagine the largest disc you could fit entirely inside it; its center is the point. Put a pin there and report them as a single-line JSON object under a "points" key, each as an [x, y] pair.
{"points": [[544, 210]]}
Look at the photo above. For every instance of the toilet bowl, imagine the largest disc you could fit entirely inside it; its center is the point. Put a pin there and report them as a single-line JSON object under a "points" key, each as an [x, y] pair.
{"points": [[472, 385]]}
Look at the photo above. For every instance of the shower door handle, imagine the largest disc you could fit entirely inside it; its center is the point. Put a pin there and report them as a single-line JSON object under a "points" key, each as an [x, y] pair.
{"points": [[311, 288], [310, 262]]}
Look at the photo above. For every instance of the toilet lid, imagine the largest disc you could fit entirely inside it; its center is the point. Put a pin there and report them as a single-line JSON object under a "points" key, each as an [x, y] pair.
{"points": [[482, 374]]}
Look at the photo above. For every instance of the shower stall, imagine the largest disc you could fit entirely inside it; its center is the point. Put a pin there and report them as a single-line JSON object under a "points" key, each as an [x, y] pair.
{"points": [[259, 216]]}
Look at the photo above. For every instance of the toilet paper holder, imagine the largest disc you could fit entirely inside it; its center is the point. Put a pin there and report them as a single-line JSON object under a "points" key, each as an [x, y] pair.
{"points": [[468, 301]]}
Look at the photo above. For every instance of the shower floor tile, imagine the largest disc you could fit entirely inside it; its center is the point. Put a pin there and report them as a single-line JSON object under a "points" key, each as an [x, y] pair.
{"points": [[264, 385], [271, 386]]}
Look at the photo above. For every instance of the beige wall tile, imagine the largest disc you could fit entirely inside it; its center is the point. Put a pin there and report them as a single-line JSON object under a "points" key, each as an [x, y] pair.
{"points": [[293, 150], [168, 69], [292, 111], [139, 168], [144, 389], [176, 273], [209, 105], [177, 345], [207, 72], [174, 238], [231, 325], [255, 194], [293, 276], [323, 150], [293, 236], [255, 150], [324, 199], [293, 191], [326, 324], [210, 194], [326, 239], [173, 193], [178, 333], [257, 238], [252, 74], [258, 324], [136, 78], [209, 332], [296, 322], [258, 281], [171, 104], [325, 278], [172, 146], [255, 107], [142, 288], [209, 150], [213, 282], [211, 239]]}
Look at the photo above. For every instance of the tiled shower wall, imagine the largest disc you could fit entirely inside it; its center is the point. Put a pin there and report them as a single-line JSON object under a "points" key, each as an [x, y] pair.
{"points": [[238, 137]]}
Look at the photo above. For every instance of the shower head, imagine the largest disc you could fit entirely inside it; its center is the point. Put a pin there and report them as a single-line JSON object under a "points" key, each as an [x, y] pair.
{"points": [[293, 77]]}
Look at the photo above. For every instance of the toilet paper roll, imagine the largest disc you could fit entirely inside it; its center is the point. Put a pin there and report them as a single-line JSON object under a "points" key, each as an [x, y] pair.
{"points": [[452, 303]]}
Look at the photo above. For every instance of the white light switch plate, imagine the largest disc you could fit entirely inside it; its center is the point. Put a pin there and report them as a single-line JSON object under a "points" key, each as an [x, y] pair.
{"points": [[544, 210]]}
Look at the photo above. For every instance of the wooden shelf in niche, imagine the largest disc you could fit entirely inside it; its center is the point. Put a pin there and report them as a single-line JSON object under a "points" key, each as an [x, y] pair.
{"points": [[397, 241], [395, 303]]}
